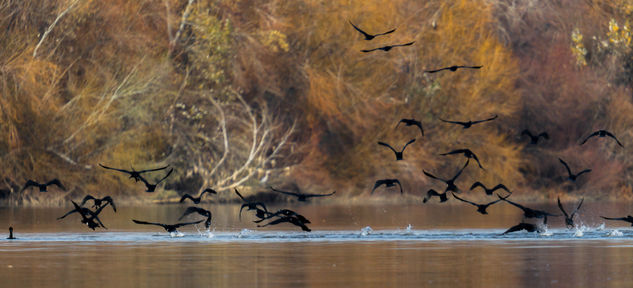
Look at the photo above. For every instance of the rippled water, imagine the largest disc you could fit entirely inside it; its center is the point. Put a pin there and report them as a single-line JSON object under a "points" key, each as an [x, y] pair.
{"points": [[354, 246]]}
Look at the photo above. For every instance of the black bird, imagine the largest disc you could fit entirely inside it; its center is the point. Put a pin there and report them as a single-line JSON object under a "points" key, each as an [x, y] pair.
{"points": [[134, 174], [522, 226], [197, 200], [203, 212], [481, 208], [290, 219], [171, 228], [569, 219], [534, 139], [88, 216], [98, 202], [42, 187], [453, 68], [450, 183], [432, 193], [572, 177], [489, 191], [370, 36], [152, 187], [260, 213], [398, 153], [11, 234], [388, 47], [387, 183], [628, 218], [285, 213], [411, 122], [528, 212], [602, 133], [301, 196], [469, 123], [469, 154]]}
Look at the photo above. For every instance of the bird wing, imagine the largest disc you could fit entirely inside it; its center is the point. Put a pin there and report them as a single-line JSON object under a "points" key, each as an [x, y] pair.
{"points": [[434, 177], [70, 212], [515, 228], [453, 122], [361, 31], [460, 171], [88, 197], [365, 51], [193, 209], [385, 33], [187, 223], [478, 184], [30, 183], [469, 202], [613, 136], [458, 151], [208, 190], [515, 204], [430, 194], [277, 221], [437, 70], [577, 208], [109, 200], [583, 171], [148, 223], [419, 124], [185, 197], [477, 159], [398, 181], [115, 169], [405, 145], [285, 192], [485, 120], [566, 166], [378, 183], [500, 186], [592, 134], [168, 173], [319, 195], [471, 67], [527, 132], [560, 206], [619, 218], [388, 146], [405, 44], [56, 182], [150, 170]]}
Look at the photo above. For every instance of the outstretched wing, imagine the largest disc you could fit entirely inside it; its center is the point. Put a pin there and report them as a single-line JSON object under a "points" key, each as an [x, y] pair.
{"points": [[458, 151], [284, 192], [385, 33], [115, 169], [513, 203], [198, 210], [460, 171], [515, 228], [88, 197], [185, 197], [471, 67], [560, 206], [613, 136], [388, 146], [527, 132], [56, 182], [500, 186], [437, 70], [319, 195], [208, 190], [592, 134], [365, 51], [485, 120], [109, 200], [187, 223], [405, 145], [168, 173], [469, 202], [405, 44], [583, 171], [453, 122], [566, 166], [148, 223], [430, 194], [363, 32], [577, 208], [619, 218], [431, 176], [150, 170], [400, 185], [240, 195], [30, 183], [70, 212], [378, 183]]}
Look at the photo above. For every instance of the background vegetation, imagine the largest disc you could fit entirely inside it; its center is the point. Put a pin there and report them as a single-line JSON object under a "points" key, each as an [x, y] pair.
{"points": [[248, 94]]}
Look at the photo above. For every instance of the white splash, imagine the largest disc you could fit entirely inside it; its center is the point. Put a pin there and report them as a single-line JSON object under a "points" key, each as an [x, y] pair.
{"points": [[366, 231], [601, 227], [244, 232], [580, 230], [176, 234], [615, 233], [409, 228]]}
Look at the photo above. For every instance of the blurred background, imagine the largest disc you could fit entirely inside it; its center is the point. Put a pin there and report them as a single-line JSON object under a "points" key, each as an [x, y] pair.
{"points": [[250, 94]]}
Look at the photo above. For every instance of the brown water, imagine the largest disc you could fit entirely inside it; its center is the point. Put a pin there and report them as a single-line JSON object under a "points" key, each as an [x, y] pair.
{"points": [[448, 246]]}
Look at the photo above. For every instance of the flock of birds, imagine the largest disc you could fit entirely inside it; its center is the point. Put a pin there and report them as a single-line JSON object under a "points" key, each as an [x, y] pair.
{"points": [[90, 217]]}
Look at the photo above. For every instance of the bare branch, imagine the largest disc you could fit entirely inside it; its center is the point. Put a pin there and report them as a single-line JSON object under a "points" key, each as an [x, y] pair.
{"points": [[50, 28], [185, 15]]}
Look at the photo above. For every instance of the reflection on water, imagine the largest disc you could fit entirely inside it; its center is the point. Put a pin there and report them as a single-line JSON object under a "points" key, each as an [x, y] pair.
{"points": [[444, 246]]}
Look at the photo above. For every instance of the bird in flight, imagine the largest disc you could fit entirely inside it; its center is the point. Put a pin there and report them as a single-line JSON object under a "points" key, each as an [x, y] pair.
{"points": [[301, 196], [522, 226], [152, 187], [43, 187], [481, 208], [411, 122], [88, 216], [489, 191], [260, 213], [571, 176], [535, 138], [290, 217], [432, 193], [453, 68], [134, 174], [171, 228], [569, 218], [469, 123], [450, 183], [398, 153], [628, 218], [387, 183], [99, 202], [469, 154], [202, 212], [370, 36], [196, 200], [528, 212], [388, 47], [602, 133], [286, 213]]}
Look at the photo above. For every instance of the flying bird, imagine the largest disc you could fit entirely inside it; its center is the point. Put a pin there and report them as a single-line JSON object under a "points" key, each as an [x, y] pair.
{"points": [[432, 193], [528, 212], [88, 217], [411, 122], [171, 228], [134, 174], [202, 212], [99, 202], [522, 226], [369, 36], [301, 196], [453, 68], [481, 208], [450, 183], [290, 219], [387, 183], [467, 153], [602, 133], [569, 218], [388, 47], [398, 153], [285, 213], [489, 191], [628, 218], [152, 187], [535, 138], [196, 200], [571, 176], [469, 123], [260, 213], [42, 187]]}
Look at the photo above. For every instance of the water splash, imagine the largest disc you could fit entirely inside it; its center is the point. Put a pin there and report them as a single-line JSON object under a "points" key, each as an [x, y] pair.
{"points": [[176, 234], [409, 228], [244, 233], [366, 231], [615, 233], [600, 227]]}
